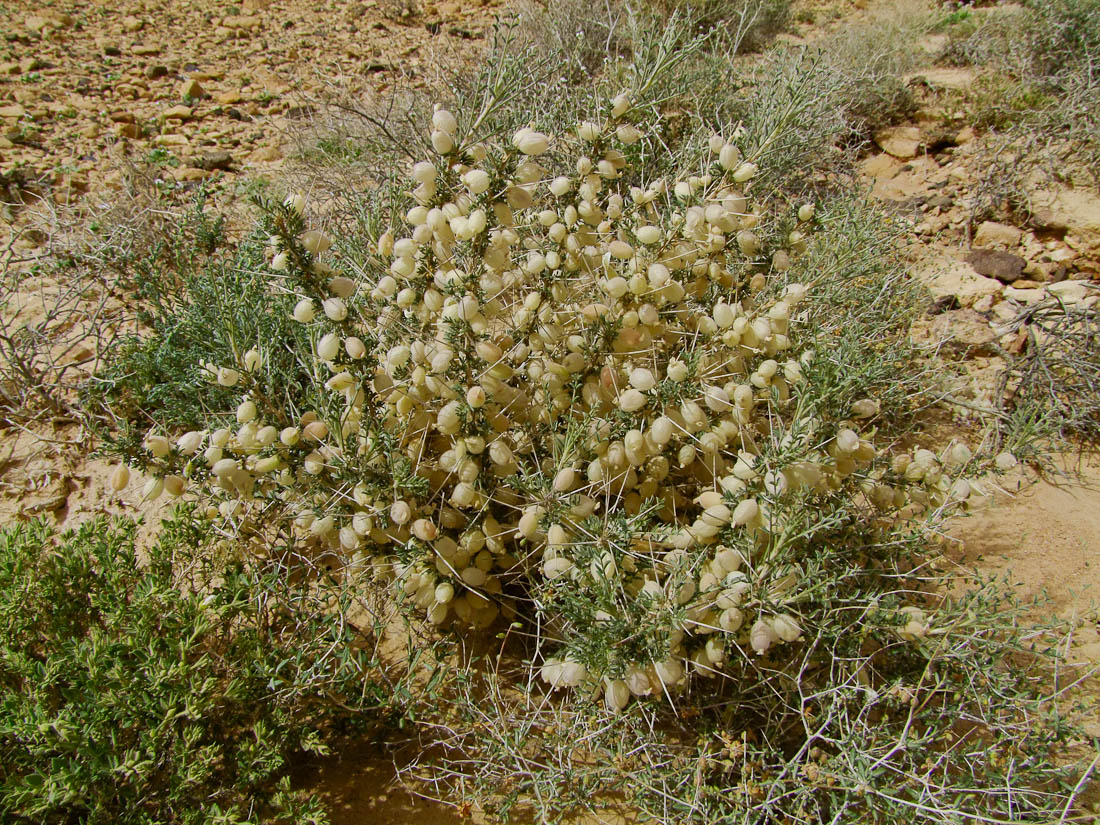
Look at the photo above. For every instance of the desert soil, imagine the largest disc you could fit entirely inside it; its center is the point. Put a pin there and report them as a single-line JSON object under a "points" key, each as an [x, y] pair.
{"points": [[219, 93]]}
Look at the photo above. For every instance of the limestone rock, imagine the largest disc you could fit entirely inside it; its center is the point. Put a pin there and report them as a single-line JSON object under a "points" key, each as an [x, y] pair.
{"points": [[997, 235], [962, 333], [957, 280], [902, 142], [1004, 266], [190, 88]]}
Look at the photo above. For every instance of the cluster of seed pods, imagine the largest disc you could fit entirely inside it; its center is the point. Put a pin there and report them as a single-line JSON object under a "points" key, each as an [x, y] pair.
{"points": [[545, 354]]}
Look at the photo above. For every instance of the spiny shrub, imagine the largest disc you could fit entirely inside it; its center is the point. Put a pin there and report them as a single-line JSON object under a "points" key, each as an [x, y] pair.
{"points": [[563, 391], [128, 696]]}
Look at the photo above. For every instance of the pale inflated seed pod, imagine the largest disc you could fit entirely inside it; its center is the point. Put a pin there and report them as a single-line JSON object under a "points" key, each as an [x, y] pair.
{"points": [[588, 131], [425, 530], [328, 347], [444, 121], [616, 695], [228, 377], [422, 172], [847, 441], [400, 512], [865, 408], [315, 242], [1005, 461], [289, 436], [476, 180], [559, 186], [564, 480], [119, 478], [745, 512], [762, 636], [280, 262], [152, 489], [620, 105], [642, 379], [304, 311], [806, 212], [628, 134], [729, 157], [158, 445], [530, 142], [355, 348], [442, 142], [632, 400], [189, 443], [252, 360], [246, 411], [786, 628], [335, 309], [744, 172]]}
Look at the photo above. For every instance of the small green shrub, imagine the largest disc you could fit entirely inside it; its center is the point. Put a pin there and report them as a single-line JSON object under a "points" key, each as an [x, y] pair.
{"points": [[126, 697]]}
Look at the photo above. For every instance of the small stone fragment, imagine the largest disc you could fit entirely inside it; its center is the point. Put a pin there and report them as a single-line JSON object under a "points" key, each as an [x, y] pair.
{"points": [[994, 263]]}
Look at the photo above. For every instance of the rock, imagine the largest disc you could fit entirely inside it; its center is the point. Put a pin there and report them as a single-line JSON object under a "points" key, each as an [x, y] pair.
{"points": [[9, 68], [962, 333], [143, 50], [902, 142], [228, 98], [36, 23], [996, 234], [128, 130], [91, 131], [131, 24], [881, 166], [171, 140], [212, 160], [155, 72], [1003, 311], [1024, 296], [110, 48], [30, 64], [958, 280], [265, 154], [190, 88], [965, 136], [181, 112], [12, 112], [1072, 292], [190, 173], [1004, 266], [983, 304]]}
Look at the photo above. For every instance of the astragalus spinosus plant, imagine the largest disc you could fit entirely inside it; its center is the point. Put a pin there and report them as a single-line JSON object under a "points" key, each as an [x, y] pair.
{"points": [[570, 396]]}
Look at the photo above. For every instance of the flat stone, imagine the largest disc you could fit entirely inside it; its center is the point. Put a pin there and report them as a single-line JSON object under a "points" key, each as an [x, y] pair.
{"points": [[154, 72], [1004, 266], [1072, 292], [145, 50], [881, 166], [182, 112], [957, 280], [227, 98], [1024, 296], [190, 173], [212, 160], [190, 88], [902, 142], [993, 234], [132, 24], [171, 140], [962, 333], [14, 111]]}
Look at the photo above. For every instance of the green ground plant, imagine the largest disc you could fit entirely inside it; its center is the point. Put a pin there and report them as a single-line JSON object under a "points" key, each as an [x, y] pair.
{"points": [[170, 689]]}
